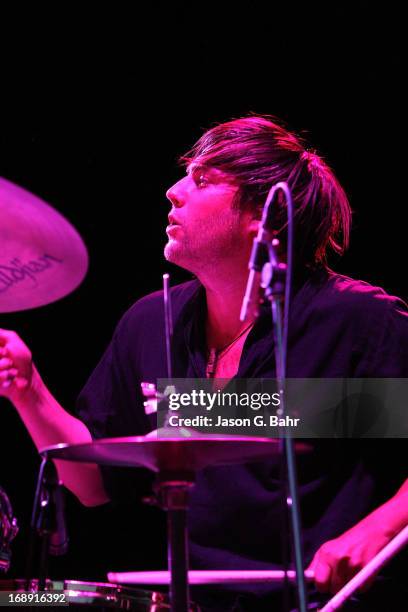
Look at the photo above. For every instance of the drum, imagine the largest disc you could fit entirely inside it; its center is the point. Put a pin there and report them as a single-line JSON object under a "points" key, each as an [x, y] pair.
{"points": [[100, 595], [8, 530]]}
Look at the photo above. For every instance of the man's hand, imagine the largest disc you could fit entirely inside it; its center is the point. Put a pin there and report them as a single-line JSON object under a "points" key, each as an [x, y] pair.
{"points": [[336, 562], [16, 366]]}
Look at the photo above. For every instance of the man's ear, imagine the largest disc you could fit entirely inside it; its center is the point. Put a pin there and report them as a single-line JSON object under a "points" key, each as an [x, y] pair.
{"points": [[254, 226]]}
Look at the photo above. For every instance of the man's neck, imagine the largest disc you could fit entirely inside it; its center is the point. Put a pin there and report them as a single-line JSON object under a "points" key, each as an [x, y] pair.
{"points": [[224, 300]]}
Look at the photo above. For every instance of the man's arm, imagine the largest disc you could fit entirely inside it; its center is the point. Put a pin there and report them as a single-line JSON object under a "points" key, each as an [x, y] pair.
{"points": [[46, 421], [336, 562]]}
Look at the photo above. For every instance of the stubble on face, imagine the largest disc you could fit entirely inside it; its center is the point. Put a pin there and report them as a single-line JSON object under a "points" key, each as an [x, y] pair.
{"points": [[207, 243]]}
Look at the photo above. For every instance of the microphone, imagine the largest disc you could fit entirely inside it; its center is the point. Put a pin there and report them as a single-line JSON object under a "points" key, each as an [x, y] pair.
{"points": [[260, 255], [252, 300]]}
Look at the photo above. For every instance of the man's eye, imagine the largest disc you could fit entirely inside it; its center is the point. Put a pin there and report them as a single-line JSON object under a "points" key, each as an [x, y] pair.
{"points": [[201, 180]]}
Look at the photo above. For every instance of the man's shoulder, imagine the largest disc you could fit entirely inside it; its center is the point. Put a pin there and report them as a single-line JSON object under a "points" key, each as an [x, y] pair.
{"points": [[352, 295], [337, 304]]}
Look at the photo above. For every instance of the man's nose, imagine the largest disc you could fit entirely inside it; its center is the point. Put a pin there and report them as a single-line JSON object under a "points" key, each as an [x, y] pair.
{"points": [[175, 194]]}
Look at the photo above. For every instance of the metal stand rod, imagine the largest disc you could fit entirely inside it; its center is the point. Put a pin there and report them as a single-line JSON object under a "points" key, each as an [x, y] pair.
{"points": [[294, 511], [276, 281], [172, 492], [45, 524], [293, 501], [178, 560], [34, 527], [168, 321], [44, 557], [285, 529], [30, 557], [168, 326]]}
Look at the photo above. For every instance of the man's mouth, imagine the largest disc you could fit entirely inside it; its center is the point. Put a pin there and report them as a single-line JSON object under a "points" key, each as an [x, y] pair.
{"points": [[172, 227], [173, 224], [173, 220]]}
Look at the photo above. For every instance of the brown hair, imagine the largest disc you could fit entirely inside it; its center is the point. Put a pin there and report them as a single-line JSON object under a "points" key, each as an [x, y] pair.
{"points": [[259, 152]]}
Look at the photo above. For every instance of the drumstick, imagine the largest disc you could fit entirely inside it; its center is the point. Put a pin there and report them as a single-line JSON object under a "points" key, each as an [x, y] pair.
{"points": [[376, 563], [207, 576]]}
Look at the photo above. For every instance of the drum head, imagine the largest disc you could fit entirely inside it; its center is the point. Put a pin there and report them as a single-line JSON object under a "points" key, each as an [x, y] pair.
{"points": [[100, 595]]}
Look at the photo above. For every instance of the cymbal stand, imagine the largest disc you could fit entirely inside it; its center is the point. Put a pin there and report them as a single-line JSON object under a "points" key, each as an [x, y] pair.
{"points": [[172, 494], [44, 522]]}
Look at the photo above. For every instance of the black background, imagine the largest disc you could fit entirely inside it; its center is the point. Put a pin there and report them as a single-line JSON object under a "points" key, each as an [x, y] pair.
{"points": [[94, 110]]}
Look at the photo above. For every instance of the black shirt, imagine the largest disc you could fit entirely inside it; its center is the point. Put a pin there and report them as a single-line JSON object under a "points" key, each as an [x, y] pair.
{"points": [[339, 327]]}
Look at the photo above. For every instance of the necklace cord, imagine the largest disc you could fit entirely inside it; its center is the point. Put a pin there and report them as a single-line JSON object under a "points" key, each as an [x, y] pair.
{"points": [[225, 348]]}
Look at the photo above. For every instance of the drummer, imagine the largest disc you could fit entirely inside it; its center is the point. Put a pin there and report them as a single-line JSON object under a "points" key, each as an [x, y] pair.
{"points": [[339, 327]]}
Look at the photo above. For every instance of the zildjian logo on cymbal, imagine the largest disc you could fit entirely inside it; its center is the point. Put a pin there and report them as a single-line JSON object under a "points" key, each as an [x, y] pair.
{"points": [[16, 271]]}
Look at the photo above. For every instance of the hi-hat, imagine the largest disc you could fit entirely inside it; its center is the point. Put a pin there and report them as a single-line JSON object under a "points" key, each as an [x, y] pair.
{"points": [[170, 454], [42, 257]]}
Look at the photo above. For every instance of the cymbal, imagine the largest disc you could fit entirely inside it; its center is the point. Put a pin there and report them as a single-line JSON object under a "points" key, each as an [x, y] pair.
{"points": [[170, 453], [42, 257]]}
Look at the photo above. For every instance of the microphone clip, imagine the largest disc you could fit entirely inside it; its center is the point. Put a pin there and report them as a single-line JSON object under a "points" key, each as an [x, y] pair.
{"points": [[273, 280]]}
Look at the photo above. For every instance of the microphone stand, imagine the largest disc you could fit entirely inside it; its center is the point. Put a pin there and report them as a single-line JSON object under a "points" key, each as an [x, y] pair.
{"points": [[274, 291], [276, 281]]}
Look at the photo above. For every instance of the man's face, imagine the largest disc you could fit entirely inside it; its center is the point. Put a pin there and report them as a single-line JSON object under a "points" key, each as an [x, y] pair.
{"points": [[204, 229]]}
